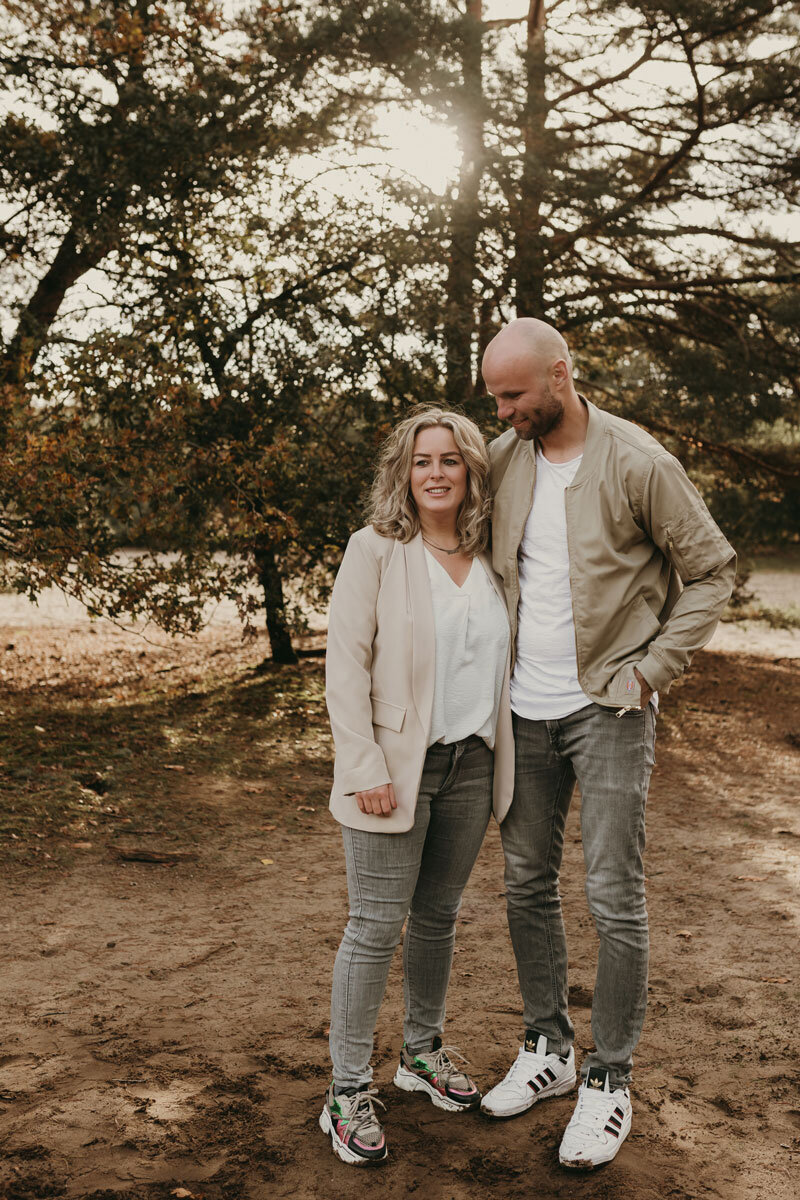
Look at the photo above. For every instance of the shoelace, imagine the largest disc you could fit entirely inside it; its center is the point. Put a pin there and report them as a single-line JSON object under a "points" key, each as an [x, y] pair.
{"points": [[363, 1115], [593, 1108], [523, 1065], [441, 1064]]}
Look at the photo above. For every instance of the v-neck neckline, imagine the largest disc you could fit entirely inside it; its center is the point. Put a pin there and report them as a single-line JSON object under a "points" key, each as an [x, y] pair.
{"points": [[458, 586]]}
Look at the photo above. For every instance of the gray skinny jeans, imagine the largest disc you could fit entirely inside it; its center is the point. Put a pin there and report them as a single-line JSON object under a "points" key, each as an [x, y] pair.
{"points": [[419, 875], [611, 758]]}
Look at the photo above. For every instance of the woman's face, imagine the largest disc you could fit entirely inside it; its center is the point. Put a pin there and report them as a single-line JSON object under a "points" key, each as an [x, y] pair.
{"points": [[438, 473]]}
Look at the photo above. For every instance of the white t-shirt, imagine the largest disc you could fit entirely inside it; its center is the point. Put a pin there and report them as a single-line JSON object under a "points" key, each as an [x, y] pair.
{"points": [[472, 637], [544, 684]]}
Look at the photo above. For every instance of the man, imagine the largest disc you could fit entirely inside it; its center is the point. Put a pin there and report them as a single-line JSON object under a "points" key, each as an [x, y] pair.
{"points": [[615, 573]]}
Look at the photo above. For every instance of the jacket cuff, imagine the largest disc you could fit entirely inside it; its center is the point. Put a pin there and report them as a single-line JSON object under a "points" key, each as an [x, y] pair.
{"points": [[656, 672], [363, 777]]}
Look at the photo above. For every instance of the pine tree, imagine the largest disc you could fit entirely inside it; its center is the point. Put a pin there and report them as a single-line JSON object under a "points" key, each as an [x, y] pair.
{"points": [[178, 352], [628, 171]]}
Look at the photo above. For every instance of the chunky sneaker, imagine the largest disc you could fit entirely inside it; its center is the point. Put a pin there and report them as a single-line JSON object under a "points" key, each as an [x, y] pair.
{"points": [[534, 1075], [599, 1125], [435, 1074], [356, 1134]]}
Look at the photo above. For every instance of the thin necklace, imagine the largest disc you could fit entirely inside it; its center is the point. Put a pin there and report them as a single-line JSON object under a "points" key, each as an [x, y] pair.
{"points": [[443, 549]]}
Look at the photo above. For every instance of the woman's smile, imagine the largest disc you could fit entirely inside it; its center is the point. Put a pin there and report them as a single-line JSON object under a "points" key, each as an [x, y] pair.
{"points": [[438, 472]]}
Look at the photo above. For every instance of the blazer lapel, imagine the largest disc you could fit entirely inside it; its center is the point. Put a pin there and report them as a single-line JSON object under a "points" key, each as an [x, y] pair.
{"points": [[423, 638]]}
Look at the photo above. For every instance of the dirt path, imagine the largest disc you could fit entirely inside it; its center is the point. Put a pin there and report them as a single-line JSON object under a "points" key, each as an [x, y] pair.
{"points": [[163, 1026]]}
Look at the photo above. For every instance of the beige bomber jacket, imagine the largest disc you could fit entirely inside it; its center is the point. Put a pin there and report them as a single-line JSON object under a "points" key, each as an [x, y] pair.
{"points": [[650, 571]]}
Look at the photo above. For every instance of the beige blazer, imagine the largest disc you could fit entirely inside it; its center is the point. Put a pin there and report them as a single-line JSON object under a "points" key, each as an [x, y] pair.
{"points": [[380, 673]]}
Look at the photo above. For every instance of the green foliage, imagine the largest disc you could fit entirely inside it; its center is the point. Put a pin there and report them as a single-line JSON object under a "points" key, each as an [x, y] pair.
{"points": [[204, 345], [193, 398], [636, 168]]}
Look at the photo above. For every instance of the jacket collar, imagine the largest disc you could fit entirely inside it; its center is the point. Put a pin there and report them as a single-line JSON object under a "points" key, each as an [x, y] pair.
{"points": [[595, 432], [486, 558]]}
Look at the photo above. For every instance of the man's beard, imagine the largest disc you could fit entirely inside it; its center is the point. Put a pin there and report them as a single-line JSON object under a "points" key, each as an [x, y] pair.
{"points": [[544, 420]]}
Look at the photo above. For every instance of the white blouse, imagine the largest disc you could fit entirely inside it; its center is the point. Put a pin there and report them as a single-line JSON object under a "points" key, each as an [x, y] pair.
{"points": [[472, 636]]}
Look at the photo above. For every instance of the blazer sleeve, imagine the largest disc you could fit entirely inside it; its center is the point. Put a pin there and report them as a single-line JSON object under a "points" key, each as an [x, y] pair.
{"points": [[352, 623]]}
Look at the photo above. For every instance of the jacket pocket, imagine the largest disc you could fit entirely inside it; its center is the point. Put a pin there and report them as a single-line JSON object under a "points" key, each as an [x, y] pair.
{"points": [[391, 716], [695, 543], [641, 626]]}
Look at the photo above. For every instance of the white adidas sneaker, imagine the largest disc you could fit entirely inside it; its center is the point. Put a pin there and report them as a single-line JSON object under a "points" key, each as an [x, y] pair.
{"points": [[599, 1125], [534, 1075]]}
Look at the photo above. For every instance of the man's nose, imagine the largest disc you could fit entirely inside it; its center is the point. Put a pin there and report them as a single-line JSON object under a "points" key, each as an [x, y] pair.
{"points": [[504, 410]]}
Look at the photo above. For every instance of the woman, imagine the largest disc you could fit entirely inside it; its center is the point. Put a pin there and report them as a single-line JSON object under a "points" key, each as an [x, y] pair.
{"points": [[417, 685]]}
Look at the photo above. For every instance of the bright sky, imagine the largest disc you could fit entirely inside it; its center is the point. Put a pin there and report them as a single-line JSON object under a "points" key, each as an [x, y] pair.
{"points": [[423, 148], [428, 150], [413, 144]]}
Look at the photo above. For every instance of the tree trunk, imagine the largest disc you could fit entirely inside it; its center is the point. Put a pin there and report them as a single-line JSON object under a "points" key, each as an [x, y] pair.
{"points": [[459, 318], [41, 310], [486, 331], [275, 606], [529, 261]]}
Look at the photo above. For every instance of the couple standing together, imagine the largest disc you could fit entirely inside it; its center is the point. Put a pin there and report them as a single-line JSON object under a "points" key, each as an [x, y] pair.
{"points": [[462, 681]]}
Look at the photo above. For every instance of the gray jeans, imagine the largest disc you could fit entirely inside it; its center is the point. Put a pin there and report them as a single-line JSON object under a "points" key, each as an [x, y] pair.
{"points": [[611, 758], [419, 875]]}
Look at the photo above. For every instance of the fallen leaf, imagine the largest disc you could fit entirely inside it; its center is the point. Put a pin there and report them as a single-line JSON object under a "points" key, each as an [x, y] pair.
{"points": [[182, 1193], [775, 979], [305, 808], [41, 729], [301, 879], [173, 767], [254, 791], [684, 933], [267, 861], [268, 828], [81, 845], [752, 878]]}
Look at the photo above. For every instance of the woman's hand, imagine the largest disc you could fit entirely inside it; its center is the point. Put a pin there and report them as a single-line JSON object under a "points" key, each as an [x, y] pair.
{"points": [[379, 801]]}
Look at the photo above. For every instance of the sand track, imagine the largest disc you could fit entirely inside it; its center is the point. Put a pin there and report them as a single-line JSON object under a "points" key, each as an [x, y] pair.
{"points": [[164, 1026]]}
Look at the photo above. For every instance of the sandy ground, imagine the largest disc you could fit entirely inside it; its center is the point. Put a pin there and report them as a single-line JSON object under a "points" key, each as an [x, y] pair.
{"points": [[164, 1025]]}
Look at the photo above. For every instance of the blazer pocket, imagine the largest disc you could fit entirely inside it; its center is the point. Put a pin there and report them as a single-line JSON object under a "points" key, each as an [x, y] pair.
{"points": [[391, 716]]}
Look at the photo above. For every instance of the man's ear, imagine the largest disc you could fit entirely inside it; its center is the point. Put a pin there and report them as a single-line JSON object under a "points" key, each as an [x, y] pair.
{"points": [[559, 372]]}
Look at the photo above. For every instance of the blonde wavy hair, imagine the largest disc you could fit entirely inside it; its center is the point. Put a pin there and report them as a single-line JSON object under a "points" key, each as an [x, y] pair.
{"points": [[391, 510]]}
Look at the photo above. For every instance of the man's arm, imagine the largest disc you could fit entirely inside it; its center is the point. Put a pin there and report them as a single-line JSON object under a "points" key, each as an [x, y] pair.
{"points": [[677, 520]]}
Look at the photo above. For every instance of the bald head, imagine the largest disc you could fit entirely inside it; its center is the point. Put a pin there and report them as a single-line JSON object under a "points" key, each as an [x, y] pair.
{"points": [[527, 340], [528, 369]]}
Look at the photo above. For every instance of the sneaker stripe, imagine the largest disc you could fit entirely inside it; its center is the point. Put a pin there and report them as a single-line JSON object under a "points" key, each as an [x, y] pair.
{"points": [[534, 1085], [610, 1129], [615, 1121], [551, 1075]]}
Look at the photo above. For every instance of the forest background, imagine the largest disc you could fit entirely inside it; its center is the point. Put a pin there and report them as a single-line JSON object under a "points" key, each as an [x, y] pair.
{"points": [[238, 241], [220, 289]]}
